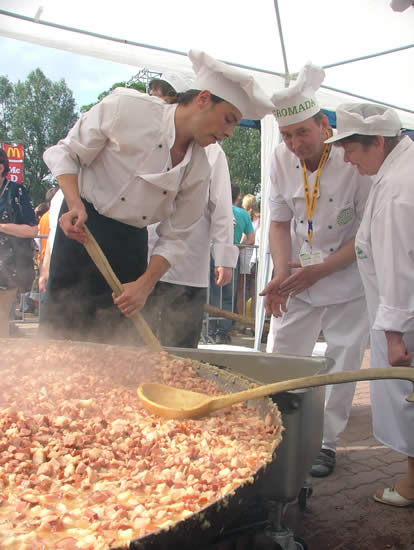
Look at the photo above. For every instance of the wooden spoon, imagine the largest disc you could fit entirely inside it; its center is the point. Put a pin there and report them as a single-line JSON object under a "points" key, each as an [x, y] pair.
{"points": [[101, 262], [176, 403]]}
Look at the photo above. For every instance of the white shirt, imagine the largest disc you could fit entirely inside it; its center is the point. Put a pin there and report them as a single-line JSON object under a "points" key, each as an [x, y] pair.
{"points": [[120, 150], [216, 225], [338, 213]]}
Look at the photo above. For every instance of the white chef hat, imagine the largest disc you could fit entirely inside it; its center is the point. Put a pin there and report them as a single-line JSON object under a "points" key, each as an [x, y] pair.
{"points": [[366, 119], [401, 5], [298, 103], [234, 86], [180, 82]]}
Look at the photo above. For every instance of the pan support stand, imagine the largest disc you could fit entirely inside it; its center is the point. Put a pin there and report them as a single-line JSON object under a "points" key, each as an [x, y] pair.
{"points": [[278, 537]]}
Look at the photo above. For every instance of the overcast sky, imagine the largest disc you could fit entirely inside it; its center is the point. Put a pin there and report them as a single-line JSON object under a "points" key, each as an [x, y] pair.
{"points": [[86, 76]]}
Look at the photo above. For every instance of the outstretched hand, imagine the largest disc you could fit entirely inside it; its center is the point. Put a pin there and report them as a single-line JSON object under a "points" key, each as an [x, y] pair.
{"points": [[275, 304]]}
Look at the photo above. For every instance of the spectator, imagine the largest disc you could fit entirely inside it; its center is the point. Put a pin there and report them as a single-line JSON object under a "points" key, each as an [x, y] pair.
{"points": [[243, 234], [246, 286], [18, 227]]}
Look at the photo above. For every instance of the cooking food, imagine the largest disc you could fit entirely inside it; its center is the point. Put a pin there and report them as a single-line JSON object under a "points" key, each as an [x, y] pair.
{"points": [[84, 466]]}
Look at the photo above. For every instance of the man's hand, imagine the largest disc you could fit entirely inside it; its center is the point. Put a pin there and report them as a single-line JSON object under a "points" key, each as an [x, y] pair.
{"points": [[72, 223], [223, 275], [275, 303], [134, 296], [302, 279], [398, 353]]}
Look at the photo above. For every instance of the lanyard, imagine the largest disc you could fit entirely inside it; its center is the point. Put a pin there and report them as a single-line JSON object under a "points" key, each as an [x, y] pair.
{"points": [[310, 199]]}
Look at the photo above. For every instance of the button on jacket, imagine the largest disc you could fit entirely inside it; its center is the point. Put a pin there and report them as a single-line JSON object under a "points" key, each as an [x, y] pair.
{"points": [[342, 196], [120, 150]]}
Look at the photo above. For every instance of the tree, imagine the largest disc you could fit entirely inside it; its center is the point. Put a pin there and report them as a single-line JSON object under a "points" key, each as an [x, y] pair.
{"points": [[36, 113], [7, 105], [243, 156]]}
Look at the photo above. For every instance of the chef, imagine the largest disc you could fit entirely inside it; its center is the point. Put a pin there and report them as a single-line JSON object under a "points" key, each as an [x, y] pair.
{"points": [[175, 308], [316, 205], [130, 161], [370, 137]]}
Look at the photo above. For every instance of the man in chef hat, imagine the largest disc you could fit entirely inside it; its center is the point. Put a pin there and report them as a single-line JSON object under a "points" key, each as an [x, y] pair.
{"points": [[175, 309], [130, 161], [316, 205]]}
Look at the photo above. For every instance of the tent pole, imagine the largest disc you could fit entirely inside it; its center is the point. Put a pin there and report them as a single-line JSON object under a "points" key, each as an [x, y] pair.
{"points": [[386, 52], [282, 43], [366, 98]]}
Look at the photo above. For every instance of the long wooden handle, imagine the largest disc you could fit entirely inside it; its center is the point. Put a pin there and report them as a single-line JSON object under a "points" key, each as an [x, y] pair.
{"points": [[229, 315], [401, 373], [99, 259]]}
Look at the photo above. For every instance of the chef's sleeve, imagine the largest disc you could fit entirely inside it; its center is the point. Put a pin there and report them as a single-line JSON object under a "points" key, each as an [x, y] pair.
{"points": [[393, 254], [278, 208], [224, 252], [85, 140]]}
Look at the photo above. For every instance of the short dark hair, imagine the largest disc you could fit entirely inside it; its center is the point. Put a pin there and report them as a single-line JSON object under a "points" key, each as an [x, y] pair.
{"points": [[187, 97], [165, 87], [5, 161]]}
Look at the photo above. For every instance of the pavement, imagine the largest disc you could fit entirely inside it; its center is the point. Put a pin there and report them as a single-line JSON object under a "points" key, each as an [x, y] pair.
{"points": [[341, 513]]}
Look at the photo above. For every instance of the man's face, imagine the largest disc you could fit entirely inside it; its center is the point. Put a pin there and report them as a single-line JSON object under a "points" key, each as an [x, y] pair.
{"points": [[367, 159], [214, 121], [305, 139]]}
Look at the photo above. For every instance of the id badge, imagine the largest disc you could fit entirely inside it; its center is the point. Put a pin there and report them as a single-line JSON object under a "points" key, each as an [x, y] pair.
{"points": [[308, 256]]}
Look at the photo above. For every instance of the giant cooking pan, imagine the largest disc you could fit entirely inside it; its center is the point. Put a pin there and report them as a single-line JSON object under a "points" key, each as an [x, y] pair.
{"points": [[200, 529]]}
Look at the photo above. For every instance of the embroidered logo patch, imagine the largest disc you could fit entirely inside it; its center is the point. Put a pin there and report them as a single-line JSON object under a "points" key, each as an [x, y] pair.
{"points": [[360, 253], [345, 216]]}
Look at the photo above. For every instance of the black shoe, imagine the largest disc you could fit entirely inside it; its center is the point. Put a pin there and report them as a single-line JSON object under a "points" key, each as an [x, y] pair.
{"points": [[223, 338], [324, 464]]}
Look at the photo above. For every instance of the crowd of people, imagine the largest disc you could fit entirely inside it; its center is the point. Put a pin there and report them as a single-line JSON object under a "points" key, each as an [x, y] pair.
{"points": [[146, 174]]}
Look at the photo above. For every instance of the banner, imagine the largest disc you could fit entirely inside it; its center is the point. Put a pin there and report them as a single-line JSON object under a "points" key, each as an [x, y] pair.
{"points": [[15, 155]]}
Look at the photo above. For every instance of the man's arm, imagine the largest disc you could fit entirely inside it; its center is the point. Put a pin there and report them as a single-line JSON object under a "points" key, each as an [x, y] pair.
{"points": [[19, 230], [72, 222]]}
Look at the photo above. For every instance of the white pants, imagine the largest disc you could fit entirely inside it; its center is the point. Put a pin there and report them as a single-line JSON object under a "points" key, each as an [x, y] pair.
{"points": [[345, 329]]}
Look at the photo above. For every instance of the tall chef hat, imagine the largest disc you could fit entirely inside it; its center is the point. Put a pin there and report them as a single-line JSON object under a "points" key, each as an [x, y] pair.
{"points": [[298, 103], [366, 119], [180, 82], [234, 86]]}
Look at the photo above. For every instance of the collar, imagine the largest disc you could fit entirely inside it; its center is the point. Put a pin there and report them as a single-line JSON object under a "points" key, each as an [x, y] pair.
{"points": [[169, 123], [404, 144]]}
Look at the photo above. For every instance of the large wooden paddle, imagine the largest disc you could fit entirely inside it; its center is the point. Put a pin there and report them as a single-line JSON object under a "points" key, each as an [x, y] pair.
{"points": [[101, 262], [176, 403]]}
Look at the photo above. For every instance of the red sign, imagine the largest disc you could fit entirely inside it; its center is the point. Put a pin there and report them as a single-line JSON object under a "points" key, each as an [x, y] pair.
{"points": [[15, 155]]}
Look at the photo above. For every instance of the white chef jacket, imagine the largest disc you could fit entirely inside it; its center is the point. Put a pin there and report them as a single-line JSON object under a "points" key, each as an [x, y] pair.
{"points": [[336, 218], [385, 254], [215, 224], [120, 150]]}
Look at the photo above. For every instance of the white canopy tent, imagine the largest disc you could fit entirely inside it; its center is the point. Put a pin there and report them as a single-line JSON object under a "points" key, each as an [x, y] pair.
{"points": [[366, 48]]}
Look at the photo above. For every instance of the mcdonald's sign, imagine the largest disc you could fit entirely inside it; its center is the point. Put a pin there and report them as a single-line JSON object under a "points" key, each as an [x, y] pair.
{"points": [[15, 155]]}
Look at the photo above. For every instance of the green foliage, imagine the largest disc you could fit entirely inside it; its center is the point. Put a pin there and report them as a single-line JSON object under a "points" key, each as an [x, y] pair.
{"points": [[243, 156], [36, 113], [140, 86]]}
